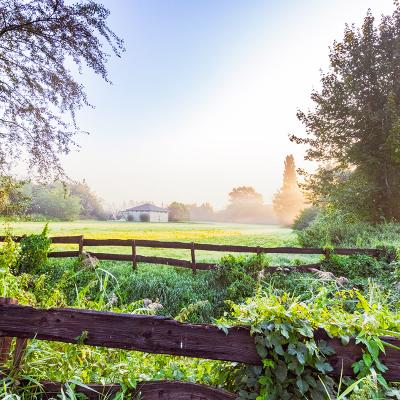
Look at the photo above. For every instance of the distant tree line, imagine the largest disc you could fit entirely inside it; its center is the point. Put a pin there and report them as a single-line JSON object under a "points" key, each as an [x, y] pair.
{"points": [[65, 202], [245, 206]]}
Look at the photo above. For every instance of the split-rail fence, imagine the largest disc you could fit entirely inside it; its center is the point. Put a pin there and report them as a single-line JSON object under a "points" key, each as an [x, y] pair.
{"points": [[155, 334], [193, 264]]}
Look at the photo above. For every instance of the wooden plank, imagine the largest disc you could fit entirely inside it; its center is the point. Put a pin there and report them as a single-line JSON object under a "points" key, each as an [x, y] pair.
{"points": [[139, 243], [20, 349], [346, 356], [134, 261], [281, 250], [206, 246], [145, 333], [193, 258], [80, 245], [5, 342], [157, 390], [152, 260], [161, 335], [65, 239]]}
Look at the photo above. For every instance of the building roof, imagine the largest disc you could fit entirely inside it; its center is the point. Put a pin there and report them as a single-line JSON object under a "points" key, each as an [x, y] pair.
{"points": [[147, 207]]}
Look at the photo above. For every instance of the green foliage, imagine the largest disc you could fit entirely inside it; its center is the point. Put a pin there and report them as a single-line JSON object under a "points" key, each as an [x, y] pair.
{"points": [[178, 212], [91, 204], [38, 87], [8, 259], [238, 276], [342, 230], [12, 199], [295, 365], [33, 254], [305, 218], [356, 266], [354, 129], [54, 201]]}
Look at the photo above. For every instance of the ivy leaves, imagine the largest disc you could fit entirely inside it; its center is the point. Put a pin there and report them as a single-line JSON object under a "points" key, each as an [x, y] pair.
{"points": [[292, 362]]}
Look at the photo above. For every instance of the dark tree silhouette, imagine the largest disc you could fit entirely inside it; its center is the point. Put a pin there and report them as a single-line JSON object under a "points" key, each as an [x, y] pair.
{"points": [[39, 95]]}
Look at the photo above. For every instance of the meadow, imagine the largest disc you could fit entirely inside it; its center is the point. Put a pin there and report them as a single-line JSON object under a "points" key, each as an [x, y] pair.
{"points": [[238, 291], [215, 233]]}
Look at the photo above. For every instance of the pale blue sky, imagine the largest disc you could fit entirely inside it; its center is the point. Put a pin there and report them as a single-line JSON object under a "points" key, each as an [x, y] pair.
{"points": [[205, 96]]}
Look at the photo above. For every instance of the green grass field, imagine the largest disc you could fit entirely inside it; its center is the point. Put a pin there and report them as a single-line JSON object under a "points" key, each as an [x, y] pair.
{"points": [[217, 233]]}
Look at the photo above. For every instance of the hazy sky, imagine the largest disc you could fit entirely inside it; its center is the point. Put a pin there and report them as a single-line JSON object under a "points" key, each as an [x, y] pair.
{"points": [[205, 96]]}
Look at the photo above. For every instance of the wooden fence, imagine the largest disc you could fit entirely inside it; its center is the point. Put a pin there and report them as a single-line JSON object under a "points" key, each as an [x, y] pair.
{"points": [[135, 258], [160, 335]]}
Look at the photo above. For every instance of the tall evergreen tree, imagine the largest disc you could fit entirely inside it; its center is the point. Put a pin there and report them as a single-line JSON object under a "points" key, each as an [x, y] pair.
{"points": [[289, 200], [354, 128]]}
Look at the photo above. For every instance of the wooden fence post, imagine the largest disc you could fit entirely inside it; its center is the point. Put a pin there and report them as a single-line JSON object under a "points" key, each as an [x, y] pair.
{"points": [[20, 347], [327, 253], [192, 252], [134, 263], [81, 245], [5, 342]]}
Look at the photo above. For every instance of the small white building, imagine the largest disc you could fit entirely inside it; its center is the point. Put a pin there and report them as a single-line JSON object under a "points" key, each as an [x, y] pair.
{"points": [[146, 213]]}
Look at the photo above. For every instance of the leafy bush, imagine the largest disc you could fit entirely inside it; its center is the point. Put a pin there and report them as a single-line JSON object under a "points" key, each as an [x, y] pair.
{"points": [[54, 202], [305, 218], [356, 266], [33, 254], [178, 212], [130, 218], [281, 323], [238, 277], [295, 364], [335, 229]]}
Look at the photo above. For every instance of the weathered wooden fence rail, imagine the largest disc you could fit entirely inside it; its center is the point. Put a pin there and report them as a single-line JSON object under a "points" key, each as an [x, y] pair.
{"points": [[160, 335], [135, 258]]}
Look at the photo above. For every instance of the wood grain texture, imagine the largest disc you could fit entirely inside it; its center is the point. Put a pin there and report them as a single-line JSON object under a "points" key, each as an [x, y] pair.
{"points": [[5, 342], [161, 335], [66, 239], [157, 390], [346, 356], [150, 334]]}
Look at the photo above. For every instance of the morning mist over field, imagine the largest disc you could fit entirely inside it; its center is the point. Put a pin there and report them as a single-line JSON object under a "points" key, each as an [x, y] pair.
{"points": [[205, 96], [230, 229]]}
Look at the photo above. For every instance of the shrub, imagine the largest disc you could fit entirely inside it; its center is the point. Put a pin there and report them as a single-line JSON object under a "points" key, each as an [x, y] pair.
{"points": [[355, 266], [335, 229], [296, 364], [305, 218], [33, 255], [130, 218], [238, 276], [178, 212]]}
